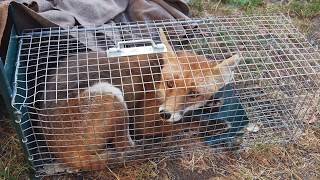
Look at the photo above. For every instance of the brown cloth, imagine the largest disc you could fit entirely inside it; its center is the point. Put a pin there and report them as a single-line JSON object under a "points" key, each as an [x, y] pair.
{"points": [[26, 14]]}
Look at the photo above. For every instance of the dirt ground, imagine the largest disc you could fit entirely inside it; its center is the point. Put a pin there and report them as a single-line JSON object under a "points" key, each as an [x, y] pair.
{"points": [[295, 160]]}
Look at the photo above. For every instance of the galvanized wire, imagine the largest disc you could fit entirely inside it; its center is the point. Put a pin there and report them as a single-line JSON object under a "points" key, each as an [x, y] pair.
{"points": [[276, 84]]}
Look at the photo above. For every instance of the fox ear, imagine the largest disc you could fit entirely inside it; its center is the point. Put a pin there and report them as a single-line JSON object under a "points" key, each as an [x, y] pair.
{"points": [[170, 53], [225, 69]]}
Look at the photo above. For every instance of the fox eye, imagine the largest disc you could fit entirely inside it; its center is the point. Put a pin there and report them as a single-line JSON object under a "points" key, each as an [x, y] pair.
{"points": [[169, 84], [193, 94]]}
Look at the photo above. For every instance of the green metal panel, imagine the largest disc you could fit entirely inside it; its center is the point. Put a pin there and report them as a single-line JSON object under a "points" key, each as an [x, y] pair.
{"points": [[11, 60], [7, 79], [5, 92]]}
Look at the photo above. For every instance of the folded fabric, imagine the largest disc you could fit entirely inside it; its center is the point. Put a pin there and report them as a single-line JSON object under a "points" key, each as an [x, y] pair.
{"points": [[26, 14], [99, 12]]}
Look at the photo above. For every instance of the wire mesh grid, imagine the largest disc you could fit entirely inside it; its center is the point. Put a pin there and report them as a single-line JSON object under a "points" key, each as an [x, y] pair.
{"points": [[227, 83]]}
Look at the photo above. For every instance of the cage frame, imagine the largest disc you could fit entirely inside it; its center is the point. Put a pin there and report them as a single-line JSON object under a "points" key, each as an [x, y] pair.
{"points": [[8, 77]]}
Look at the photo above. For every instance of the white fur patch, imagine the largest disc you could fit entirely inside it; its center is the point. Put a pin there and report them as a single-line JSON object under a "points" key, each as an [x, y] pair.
{"points": [[129, 137], [107, 88], [175, 117], [194, 107], [227, 78], [161, 108]]}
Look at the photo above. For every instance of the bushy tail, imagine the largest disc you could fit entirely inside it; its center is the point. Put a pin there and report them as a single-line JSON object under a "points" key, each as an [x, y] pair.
{"points": [[80, 128]]}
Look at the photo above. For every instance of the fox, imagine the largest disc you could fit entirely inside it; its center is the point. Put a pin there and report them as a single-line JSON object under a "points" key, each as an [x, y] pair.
{"points": [[90, 100], [188, 82], [87, 105]]}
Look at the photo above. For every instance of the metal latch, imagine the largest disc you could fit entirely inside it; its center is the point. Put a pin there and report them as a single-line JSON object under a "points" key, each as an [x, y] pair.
{"points": [[120, 50]]}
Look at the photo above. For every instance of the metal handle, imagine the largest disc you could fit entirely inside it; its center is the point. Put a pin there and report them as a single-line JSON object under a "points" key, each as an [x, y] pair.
{"points": [[122, 43], [119, 51]]}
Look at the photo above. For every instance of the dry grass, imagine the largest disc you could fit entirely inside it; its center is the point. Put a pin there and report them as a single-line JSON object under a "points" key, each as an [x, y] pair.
{"points": [[299, 160], [296, 160], [12, 161]]}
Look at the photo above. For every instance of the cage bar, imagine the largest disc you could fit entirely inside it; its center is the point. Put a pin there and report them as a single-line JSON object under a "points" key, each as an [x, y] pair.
{"points": [[228, 83]]}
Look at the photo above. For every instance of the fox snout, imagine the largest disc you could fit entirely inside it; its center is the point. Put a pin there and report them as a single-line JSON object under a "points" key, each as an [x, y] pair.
{"points": [[170, 116]]}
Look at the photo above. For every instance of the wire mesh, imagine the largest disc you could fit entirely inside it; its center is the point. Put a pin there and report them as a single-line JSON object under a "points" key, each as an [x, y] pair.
{"points": [[81, 110]]}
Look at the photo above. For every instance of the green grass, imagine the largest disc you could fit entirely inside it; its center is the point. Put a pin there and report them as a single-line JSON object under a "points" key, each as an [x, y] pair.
{"points": [[304, 9], [302, 12], [247, 5], [198, 6]]}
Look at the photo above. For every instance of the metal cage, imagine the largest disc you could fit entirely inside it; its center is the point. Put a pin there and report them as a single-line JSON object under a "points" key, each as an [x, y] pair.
{"points": [[90, 97]]}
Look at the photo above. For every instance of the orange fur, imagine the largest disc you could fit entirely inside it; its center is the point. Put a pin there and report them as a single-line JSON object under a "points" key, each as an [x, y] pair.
{"points": [[186, 72], [188, 80], [82, 129]]}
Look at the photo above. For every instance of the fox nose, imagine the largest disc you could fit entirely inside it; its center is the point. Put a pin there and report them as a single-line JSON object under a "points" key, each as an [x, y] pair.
{"points": [[165, 115]]}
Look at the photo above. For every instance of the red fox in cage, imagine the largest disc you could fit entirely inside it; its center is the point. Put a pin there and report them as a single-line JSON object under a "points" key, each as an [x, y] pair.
{"points": [[188, 82], [90, 99]]}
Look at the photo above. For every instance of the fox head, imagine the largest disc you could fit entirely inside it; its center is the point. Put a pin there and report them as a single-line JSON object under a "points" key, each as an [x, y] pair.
{"points": [[188, 81]]}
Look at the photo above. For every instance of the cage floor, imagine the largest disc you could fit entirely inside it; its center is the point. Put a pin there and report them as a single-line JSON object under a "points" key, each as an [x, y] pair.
{"points": [[276, 81]]}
